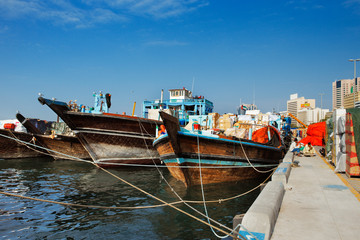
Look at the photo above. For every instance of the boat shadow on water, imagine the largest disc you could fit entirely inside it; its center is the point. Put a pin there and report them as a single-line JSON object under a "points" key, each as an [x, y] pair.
{"points": [[77, 182]]}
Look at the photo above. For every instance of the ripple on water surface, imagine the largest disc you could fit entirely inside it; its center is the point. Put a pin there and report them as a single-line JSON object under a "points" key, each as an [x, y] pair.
{"points": [[81, 183]]}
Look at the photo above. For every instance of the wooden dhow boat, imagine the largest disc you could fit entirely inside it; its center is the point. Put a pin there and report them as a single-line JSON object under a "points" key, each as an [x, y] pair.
{"points": [[112, 140], [220, 159], [13, 145], [63, 146]]}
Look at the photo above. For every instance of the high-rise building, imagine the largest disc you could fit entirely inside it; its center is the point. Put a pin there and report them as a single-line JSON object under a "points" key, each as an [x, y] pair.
{"points": [[341, 88], [295, 104]]}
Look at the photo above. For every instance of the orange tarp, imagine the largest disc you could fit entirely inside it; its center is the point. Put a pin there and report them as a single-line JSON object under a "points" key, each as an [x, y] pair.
{"points": [[261, 135], [315, 134]]}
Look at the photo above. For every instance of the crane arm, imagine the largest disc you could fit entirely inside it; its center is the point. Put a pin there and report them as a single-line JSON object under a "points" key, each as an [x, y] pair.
{"points": [[304, 125]]}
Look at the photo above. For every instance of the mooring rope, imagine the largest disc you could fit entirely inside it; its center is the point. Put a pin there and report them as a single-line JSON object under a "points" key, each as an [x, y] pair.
{"points": [[69, 157], [33, 139], [167, 204], [90, 162], [259, 171], [204, 202], [44, 148], [82, 205], [164, 203], [205, 207], [176, 194]]}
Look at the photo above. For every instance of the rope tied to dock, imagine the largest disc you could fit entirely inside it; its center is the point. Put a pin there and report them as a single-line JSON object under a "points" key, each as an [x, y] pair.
{"points": [[237, 236], [139, 207]]}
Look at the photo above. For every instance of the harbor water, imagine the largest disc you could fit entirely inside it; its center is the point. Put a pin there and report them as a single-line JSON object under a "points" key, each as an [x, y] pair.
{"points": [[82, 183]]}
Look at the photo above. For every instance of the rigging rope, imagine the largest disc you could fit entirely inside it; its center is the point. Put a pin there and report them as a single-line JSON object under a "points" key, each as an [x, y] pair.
{"points": [[188, 201], [46, 149], [167, 204], [177, 195], [204, 202], [164, 203], [260, 171], [205, 208]]}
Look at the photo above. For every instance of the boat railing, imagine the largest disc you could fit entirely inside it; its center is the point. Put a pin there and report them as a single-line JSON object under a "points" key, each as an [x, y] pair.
{"points": [[195, 100]]}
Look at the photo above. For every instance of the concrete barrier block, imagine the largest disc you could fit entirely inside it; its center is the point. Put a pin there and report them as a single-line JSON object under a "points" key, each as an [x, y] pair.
{"points": [[237, 220], [282, 173], [261, 216], [288, 157]]}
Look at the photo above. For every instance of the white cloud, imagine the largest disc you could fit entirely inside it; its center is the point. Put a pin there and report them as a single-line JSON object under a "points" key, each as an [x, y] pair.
{"points": [[89, 12]]}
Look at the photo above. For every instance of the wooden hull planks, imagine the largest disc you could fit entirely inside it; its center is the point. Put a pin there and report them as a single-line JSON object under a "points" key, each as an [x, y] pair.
{"points": [[11, 149], [188, 171], [111, 139], [63, 146], [221, 159]]}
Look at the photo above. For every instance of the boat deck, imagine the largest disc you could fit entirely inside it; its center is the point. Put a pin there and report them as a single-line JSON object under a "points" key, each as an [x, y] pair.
{"points": [[318, 203]]}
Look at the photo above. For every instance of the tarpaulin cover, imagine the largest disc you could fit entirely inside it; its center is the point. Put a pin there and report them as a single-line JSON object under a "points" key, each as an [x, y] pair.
{"points": [[355, 115], [315, 134], [315, 141], [261, 136]]}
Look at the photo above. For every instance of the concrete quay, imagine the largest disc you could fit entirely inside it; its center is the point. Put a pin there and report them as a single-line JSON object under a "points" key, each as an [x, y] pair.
{"points": [[317, 204]]}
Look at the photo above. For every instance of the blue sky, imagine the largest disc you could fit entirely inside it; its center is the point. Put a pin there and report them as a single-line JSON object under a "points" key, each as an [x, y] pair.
{"points": [[133, 49]]}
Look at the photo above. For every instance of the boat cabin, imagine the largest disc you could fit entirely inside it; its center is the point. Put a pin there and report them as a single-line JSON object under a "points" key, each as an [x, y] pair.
{"points": [[181, 104]]}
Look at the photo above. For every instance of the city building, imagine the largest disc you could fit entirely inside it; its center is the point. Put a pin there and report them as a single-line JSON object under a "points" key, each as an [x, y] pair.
{"points": [[312, 115], [295, 104], [181, 104], [342, 88]]}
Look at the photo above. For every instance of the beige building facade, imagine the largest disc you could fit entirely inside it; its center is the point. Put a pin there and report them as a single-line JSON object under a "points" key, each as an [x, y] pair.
{"points": [[296, 103], [310, 116], [342, 88]]}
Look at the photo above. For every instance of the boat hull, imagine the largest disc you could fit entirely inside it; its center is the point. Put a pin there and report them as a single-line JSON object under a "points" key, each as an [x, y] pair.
{"points": [[111, 139], [115, 150], [221, 159], [190, 145], [64, 147], [214, 171], [11, 149]]}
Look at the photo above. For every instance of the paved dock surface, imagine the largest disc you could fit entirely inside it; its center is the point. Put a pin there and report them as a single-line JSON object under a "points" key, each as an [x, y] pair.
{"points": [[318, 204]]}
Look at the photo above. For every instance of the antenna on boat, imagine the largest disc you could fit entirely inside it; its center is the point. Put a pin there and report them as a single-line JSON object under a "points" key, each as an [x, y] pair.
{"points": [[161, 99], [254, 94], [192, 88]]}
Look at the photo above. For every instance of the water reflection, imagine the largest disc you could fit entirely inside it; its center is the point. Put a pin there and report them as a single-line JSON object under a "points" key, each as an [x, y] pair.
{"points": [[82, 183]]}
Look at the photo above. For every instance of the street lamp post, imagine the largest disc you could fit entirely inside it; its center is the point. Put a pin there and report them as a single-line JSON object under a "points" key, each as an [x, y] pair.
{"points": [[354, 60], [321, 111]]}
